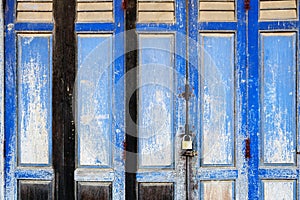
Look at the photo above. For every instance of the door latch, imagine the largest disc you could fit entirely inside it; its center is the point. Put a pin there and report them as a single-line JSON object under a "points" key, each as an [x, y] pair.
{"points": [[190, 153]]}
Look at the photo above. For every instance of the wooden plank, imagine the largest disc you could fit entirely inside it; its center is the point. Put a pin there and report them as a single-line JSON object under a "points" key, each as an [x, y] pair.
{"points": [[38, 190], [100, 6], [277, 14], [216, 1], [217, 6], [157, 191], [149, 6], [277, 4], [214, 190], [93, 1], [95, 17], [94, 190], [34, 1], [29, 6], [217, 16], [167, 17], [156, 1], [34, 16]]}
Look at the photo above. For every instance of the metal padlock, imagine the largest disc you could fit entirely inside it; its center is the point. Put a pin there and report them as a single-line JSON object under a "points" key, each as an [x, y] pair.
{"points": [[187, 143]]}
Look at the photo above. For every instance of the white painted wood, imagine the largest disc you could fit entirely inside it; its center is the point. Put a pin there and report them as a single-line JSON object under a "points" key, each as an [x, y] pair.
{"points": [[216, 10], [216, 5], [216, 16], [167, 17], [98, 6], [278, 10], [95, 16], [1, 104], [30, 6], [278, 14], [150, 6], [34, 16], [278, 189], [277, 4]]}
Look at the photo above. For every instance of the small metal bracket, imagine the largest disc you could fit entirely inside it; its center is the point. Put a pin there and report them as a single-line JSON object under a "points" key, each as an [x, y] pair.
{"points": [[188, 92]]}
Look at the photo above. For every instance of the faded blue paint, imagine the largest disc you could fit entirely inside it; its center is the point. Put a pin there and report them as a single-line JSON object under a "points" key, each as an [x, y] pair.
{"points": [[94, 100], [1, 101], [101, 53], [272, 49], [233, 56], [216, 59], [34, 100], [274, 189], [156, 100], [278, 98]]}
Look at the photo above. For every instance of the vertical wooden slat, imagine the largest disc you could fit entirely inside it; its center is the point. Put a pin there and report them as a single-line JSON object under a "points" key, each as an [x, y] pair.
{"points": [[63, 82]]}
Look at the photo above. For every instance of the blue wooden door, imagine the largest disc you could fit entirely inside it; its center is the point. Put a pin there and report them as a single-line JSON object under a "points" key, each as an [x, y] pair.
{"points": [[203, 49], [100, 100], [40, 158], [28, 105], [218, 73], [239, 60], [273, 104]]}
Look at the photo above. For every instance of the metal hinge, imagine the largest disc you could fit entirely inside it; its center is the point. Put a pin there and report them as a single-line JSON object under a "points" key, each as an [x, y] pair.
{"points": [[247, 4], [247, 148]]}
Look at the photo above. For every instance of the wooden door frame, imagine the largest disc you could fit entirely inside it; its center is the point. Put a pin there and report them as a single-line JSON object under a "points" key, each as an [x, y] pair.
{"points": [[1, 101]]}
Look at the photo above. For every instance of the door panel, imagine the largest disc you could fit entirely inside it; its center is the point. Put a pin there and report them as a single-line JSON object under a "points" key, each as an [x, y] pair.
{"points": [[218, 72], [29, 172], [156, 99], [34, 99], [94, 100], [278, 98], [157, 145], [216, 57]]}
